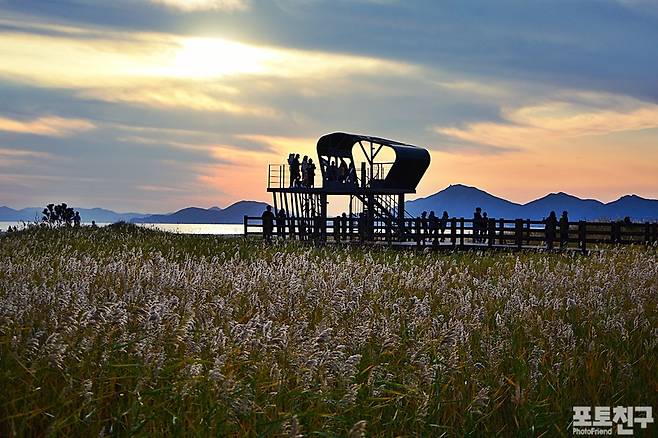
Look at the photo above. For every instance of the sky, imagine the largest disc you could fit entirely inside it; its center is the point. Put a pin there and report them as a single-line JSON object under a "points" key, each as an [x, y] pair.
{"points": [[156, 105]]}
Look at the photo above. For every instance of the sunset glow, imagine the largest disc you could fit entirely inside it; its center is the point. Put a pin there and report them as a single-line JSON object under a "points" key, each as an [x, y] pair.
{"points": [[196, 112]]}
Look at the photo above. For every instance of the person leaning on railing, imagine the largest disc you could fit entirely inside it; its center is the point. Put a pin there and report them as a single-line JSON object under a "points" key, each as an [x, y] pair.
{"points": [[268, 223], [564, 229]]}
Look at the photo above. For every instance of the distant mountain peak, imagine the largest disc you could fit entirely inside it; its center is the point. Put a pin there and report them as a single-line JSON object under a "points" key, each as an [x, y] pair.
{"points": [[460, 200]]}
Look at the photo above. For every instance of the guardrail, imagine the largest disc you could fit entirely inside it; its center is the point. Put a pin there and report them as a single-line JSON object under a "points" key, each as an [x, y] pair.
{"points": [[459, 232]]}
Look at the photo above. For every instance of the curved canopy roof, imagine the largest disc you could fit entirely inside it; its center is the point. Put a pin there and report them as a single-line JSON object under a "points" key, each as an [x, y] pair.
{"points": [[410, 164]]}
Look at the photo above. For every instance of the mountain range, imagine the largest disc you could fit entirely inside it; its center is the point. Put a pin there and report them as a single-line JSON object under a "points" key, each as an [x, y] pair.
{"points": [[460, 201], [232, 214], [100, 215]]}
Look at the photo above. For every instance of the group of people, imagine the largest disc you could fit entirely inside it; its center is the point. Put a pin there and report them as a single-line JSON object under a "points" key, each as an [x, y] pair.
{"points": [[302, 173], [434, 226], [308, 227], [430, 226], [551, 224], [337, 172]]}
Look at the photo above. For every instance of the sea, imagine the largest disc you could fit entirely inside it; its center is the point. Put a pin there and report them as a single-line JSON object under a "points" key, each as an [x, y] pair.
{"points": [[222, 229]]}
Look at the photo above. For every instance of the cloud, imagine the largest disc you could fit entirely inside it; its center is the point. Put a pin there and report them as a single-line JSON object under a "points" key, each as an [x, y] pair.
{"points": [[190, 96], [51, 126], [555, 120], [204, 5], [169, 71]]}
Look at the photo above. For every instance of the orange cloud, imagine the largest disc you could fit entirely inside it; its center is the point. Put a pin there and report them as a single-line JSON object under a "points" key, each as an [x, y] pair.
{"points": [[548, 122]]}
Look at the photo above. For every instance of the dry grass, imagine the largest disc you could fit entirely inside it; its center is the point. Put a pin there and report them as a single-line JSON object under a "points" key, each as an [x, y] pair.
{"points": [[126, 331]]}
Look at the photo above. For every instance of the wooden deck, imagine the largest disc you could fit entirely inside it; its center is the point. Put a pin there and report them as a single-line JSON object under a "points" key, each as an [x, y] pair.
{"points": [[518, 234]]}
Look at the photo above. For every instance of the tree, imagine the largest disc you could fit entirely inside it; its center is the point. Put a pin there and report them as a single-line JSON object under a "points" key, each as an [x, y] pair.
{"points": [[57, 215]]}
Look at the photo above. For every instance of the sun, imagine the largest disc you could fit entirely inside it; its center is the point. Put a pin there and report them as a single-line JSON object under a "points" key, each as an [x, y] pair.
{"points": [[214, 57]]}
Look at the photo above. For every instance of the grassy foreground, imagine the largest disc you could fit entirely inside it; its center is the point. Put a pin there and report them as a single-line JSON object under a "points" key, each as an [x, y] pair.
{"points": [[128, 331]]}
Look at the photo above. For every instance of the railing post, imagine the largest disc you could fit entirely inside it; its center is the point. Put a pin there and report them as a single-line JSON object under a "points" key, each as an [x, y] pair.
{"points": [[614, 237], [655, 233], [453, 231], [647, 233], [518, 232], [491, 231], [527, 233], [461, 232], [501, 240], [246, 219], [417, 228], [582, 236], [388, 224]]}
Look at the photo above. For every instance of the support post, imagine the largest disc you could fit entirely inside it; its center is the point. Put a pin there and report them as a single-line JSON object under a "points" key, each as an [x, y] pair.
{"points": [[527, 232], [614, 234], [323, 217], [453, 231], [461, 232], [246, 219], [491, 225], [370, 217], [401, 217], [518, 232], [501, 235]]}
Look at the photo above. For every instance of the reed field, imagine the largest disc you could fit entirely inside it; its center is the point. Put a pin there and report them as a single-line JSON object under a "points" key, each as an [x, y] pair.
{"points": [[127, 331]]}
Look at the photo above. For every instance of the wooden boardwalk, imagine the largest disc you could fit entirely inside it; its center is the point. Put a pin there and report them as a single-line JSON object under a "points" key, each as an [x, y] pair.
{"points": [[520, 234]]}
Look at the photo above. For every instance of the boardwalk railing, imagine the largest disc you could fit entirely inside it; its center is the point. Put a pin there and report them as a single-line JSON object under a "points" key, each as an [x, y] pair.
{"points": [[459, 232]]}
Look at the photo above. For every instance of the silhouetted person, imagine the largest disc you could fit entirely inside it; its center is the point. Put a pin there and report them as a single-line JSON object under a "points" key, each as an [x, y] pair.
{"points": [[305, 171], [76, 219], [434, 226], [342, 171], [477, 223], [362, 226], [294, 170], [551, 224], [424, 225], [484, 227], [443, 222], [564, 229], [343, 225], [627, 220], [332, 171], [268, 223], [310, 173], [281, 223], [93, 224]]}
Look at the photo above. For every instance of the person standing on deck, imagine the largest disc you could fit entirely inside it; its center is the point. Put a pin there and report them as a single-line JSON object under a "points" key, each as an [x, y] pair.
{"points": [[477, 221], [342, 171], [281, 223], [293, 160], [443, 222], [549, 229], [484, 227], [305, 171], [268, 223], [310, 173], [434, 227], [424, 226]]}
